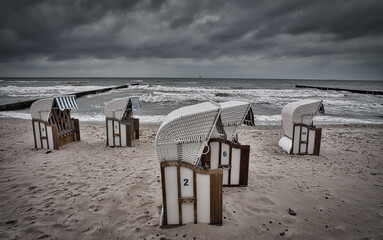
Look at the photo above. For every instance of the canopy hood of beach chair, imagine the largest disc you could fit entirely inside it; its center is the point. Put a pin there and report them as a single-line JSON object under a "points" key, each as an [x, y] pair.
{"points": [[42, 108], [234, 114], [302, 111], [117, 107], [185, 132]]}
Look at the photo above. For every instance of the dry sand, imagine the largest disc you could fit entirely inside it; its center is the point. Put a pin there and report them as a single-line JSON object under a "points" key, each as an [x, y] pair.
{"points": [[87, 190]]}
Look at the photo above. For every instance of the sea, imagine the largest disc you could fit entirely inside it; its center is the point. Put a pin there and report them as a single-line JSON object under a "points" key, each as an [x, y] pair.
{"points": [[160, 96]]}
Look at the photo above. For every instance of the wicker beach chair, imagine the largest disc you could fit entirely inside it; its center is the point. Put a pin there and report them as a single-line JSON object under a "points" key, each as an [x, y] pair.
{"points": [[52, 123], [299, 135], [190, 193], [225, 151], [121, 127]]}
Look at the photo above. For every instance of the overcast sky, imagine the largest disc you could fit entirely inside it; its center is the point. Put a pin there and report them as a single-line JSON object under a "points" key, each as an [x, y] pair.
{"points": [[173, 38]]}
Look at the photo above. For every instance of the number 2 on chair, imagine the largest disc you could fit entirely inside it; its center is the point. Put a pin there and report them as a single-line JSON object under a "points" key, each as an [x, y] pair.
{"points": [[186, 182]]}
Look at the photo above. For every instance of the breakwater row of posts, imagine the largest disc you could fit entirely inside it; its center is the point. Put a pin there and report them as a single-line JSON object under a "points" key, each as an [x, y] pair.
{"points": [[27, 104], [372, 92]]}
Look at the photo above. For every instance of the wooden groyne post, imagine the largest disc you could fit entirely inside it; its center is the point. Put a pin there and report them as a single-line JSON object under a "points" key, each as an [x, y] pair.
{"points": [[27, 104], [342, 89]]}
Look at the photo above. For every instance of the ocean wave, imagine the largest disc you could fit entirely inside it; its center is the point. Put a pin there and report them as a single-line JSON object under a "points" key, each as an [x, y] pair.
{"points": [[353, 107], [321, 120], [151, 118], [249, 92], [175, 95], [261, 120], [176, 98], [97, 117], [89, 117], [15, 114], [326, 120], [86, 117], [19, 81], [40, 91], [98, 106]]}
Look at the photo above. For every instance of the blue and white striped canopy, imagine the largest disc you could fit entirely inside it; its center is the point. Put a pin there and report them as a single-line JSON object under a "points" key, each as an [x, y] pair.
{"points": [[67, 102]]}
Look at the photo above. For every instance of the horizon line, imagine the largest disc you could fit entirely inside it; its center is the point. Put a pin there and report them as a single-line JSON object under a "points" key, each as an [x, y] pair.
{"points": [[245, 78]]}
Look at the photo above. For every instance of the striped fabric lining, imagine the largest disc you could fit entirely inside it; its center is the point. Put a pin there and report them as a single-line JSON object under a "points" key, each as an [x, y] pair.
{"points": [[135, 103], [249, 119], [68, 102]]}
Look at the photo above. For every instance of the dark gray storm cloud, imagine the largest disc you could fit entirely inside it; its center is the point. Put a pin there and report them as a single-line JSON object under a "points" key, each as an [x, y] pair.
{"points": [[60, 30]]}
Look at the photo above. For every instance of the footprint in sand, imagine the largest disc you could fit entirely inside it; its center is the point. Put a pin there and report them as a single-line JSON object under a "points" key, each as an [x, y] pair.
{"points": [[92, 228], [265, 200], [45, 236], [100, 195], [71, 222], [250, 211], [95, 208], [122, 225]]}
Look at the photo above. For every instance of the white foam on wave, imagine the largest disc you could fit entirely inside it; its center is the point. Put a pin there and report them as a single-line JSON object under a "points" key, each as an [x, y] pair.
{"points": [[19, 81], [161, 94], [345, 120], [41, 91], [89, 117], [15, 114], [151, 118], [254, 91], [369, 102], [175, 98], [320, 119], [259, 119], [267, 119], [97, 117]]}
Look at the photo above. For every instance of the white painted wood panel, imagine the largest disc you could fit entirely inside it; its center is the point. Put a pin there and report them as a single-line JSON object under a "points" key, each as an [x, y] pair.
{"points": [[110, 133], [50, 137], [123, 135], [235, 166], [171, 194], [203, 198], [311, 143], [214, 148], [37, 134]]}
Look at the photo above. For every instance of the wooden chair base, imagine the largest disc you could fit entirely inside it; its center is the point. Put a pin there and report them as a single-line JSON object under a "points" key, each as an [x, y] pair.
{"points": [[121, 134], [306, 139], [232, 158], [190, 194], [46, 134]]}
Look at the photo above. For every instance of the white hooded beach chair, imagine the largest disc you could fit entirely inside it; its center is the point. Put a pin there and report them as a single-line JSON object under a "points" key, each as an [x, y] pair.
{"points": [[52, 122], [225, 151], [189, 192], [121, 127], [299, 136]]}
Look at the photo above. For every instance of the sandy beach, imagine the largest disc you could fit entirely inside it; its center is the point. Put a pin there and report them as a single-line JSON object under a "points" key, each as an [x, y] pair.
{"points": [[87, 190]]}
